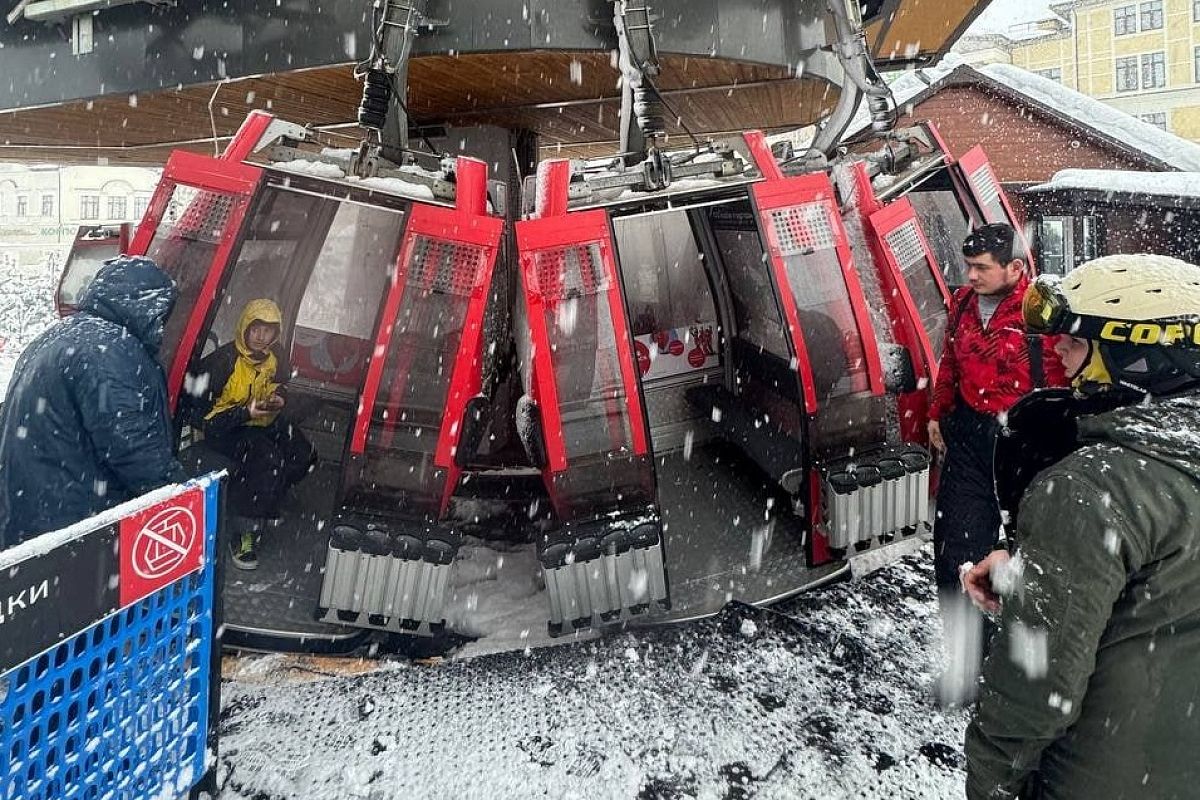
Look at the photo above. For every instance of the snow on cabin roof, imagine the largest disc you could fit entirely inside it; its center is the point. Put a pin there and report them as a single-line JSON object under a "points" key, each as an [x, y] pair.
{"points": [[1118, 129], [1172, 184]]}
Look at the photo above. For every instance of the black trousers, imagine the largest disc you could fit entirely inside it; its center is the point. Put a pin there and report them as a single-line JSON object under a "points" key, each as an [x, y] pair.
{"points": [[966, 529], [267, 462], [967, 526]]}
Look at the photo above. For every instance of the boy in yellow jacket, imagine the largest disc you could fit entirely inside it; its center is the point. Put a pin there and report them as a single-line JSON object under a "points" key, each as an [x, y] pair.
{"points": [[244, 390]]}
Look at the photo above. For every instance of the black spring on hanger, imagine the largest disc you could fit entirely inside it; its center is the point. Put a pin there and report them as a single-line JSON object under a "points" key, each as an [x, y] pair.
{"points": [[648, 109], [376, 96]]}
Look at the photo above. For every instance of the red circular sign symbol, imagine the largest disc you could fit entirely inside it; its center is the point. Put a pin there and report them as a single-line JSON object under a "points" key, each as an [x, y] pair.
{"points": [[676, 347], [164, 542], [643, 356], [696, 357]]}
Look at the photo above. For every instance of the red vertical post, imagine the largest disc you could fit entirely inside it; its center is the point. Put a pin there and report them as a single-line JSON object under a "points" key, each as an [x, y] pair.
{"points": [[764, 159], [471, 184], [248, 136], [553, 188]]}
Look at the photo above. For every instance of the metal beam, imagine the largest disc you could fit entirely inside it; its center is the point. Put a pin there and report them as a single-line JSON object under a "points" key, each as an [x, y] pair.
{"points": [[50, 10]]}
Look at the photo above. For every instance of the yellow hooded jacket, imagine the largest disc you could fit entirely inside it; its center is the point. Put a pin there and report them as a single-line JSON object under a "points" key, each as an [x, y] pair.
{"points": [[253, 375]]}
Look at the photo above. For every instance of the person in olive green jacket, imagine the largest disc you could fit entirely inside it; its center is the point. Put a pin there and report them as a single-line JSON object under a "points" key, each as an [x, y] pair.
{"points": [[1092, 687]]}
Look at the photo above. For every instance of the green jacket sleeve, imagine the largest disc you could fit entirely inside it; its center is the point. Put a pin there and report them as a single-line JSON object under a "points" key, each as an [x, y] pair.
{"points": [[1076, 551]]}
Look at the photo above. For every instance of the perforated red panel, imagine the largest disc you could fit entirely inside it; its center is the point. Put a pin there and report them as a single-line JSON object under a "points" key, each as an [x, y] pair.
{"points": [[562, 272], [803, 228], [905, 242], [199, 214], [457, 269]]}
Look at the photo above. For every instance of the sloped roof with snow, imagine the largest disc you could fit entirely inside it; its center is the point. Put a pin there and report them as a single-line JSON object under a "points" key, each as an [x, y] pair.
{"points": [[1100, 120], [1112, 123], [1166, 184]]}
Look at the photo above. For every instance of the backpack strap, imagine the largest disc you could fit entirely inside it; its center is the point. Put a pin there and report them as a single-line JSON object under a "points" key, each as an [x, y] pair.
{"points": [[1037, 366], [960, 307]]}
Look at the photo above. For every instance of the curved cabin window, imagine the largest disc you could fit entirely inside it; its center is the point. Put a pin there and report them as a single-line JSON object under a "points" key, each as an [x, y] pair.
{"points": [[905, 243], [946, 226], [808, 245], [669, 298], [755, 307], [326, 261], [332, 339], [185, 245]]}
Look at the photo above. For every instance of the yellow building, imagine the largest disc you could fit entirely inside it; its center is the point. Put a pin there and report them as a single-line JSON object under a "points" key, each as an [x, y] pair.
{"points": [[1141, 56]]}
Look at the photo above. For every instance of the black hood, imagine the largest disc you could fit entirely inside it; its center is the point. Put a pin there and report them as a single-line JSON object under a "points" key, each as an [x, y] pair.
{"points": [[135, 294]]}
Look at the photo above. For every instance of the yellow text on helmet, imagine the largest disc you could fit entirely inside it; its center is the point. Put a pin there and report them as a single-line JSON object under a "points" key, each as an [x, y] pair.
{"points": [[1151, 332]]}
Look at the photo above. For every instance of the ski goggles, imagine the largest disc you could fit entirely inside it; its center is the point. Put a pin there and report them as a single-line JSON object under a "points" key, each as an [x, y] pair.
{"points": [[1045, 307], [1045, 310]]}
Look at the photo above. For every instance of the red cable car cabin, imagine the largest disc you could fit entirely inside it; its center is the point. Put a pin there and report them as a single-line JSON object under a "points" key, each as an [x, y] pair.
{"points": [[722, 380]]}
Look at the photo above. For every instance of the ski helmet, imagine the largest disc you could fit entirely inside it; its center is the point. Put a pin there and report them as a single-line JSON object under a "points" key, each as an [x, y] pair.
{"points": [[1141, 314]]}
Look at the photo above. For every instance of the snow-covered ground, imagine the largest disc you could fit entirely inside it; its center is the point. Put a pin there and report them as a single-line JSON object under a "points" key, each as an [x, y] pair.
{"points": [[26, 309], [826, 696]]}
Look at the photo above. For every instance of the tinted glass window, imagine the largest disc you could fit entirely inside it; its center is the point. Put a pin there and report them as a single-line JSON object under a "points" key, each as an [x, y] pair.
{"points": [[945, 226], [756, 310], [82, 265], [275, 258], [806, 237], [670, 301], [335, 323], [184, 246], [905, 244]]}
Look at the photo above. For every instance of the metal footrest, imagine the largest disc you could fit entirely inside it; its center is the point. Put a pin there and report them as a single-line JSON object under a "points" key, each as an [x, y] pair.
{"points": [[388, 580], [604, 572], [879, 493]]}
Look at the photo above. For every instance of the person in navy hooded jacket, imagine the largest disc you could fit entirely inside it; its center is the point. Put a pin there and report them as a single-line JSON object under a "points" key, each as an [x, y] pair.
{"points": [[85, 425]]}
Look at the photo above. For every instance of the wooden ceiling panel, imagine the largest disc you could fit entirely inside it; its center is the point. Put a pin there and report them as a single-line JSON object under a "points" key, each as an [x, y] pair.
{"points": [[507, 89]]}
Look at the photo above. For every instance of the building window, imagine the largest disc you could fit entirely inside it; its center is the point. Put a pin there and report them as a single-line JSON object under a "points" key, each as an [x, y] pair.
{"points": [[116, 208], [22, 206], [1154, 70], [1195, 10], [139, 207], [1127, 74], [1152, 15], [1158, 120], [89, 206], [1054, 74], [1054, 245], [47, 205], [1091, 238], [1125, 20], [1196, 64]]}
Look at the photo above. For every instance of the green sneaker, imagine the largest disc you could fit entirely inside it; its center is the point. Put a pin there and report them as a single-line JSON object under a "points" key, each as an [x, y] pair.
{"points": [[244, 551]]}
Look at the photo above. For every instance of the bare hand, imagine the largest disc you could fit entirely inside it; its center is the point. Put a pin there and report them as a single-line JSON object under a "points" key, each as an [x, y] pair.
{"points": [[275, 402], [977, 581], [257, 410], [935, 437]]}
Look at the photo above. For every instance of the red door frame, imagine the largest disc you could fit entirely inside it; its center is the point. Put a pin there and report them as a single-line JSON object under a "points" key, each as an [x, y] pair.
{"points": [[782, 193], [971, 162], [883, 223], [210, 175], [574, 230], [902, 309], [466, 377]]}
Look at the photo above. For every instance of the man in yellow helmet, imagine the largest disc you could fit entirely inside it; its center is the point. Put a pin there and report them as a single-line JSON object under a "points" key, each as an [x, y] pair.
{"points": [[242, 390], [1092, 689]]}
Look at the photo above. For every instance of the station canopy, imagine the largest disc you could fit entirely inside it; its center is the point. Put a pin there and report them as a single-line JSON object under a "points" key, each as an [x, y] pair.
{"points": [[570, 98]]}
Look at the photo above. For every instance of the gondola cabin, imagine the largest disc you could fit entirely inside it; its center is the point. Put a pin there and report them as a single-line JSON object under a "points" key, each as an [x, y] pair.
{"points": [[672, 397]]}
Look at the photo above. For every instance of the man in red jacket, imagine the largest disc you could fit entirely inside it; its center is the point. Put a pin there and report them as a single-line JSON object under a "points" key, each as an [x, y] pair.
{"points": [[987, 364]]}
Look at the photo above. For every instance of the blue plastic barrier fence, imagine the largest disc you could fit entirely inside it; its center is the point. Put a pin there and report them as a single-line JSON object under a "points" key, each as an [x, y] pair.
{"points": [[109, 667]]}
